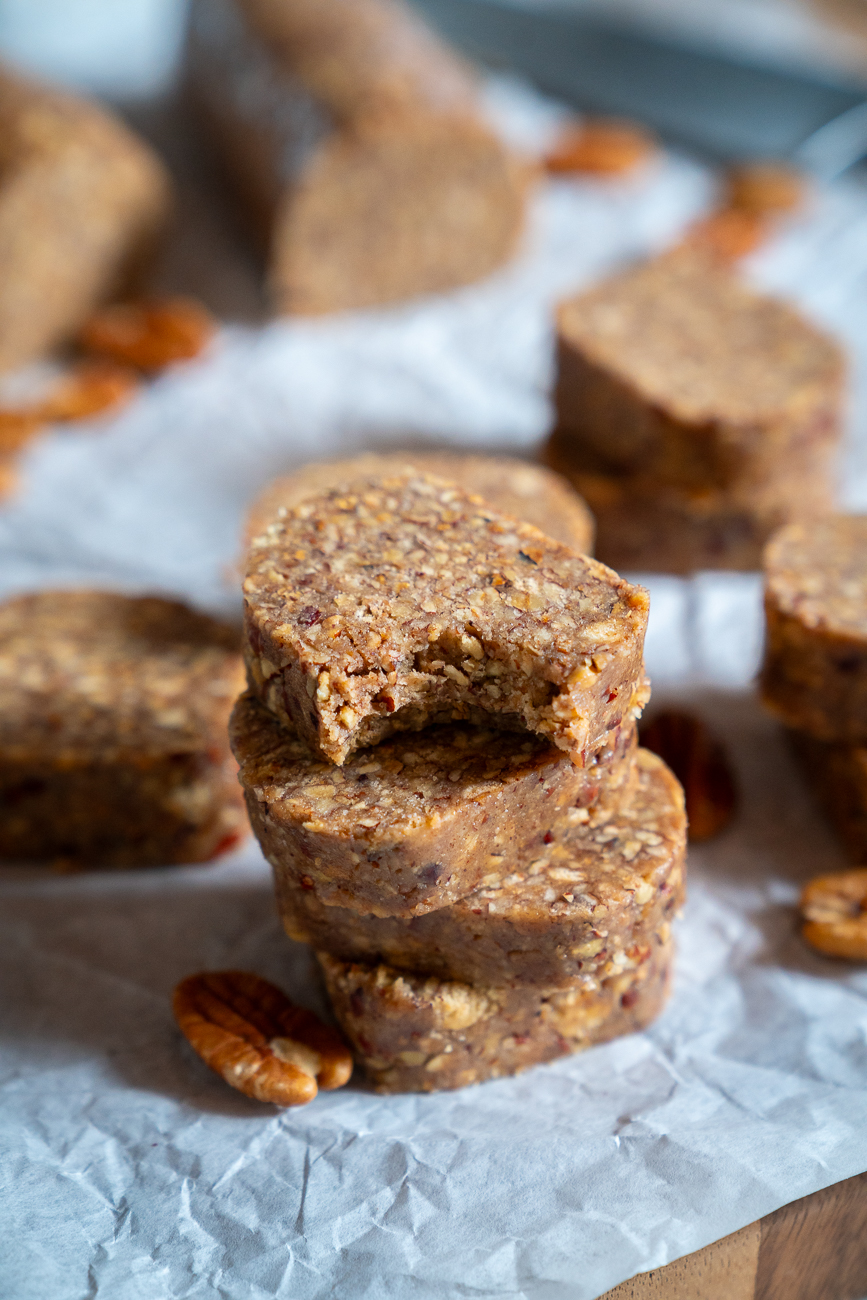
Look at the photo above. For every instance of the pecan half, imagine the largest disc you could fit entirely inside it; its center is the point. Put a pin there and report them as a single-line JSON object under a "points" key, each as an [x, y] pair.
{"points": [[17, 427], [728, 233], [149, 335], [601, 147], [700, 763], [249, 1032], [765, 187], [8, 475], [93, 386], [834, 909]]}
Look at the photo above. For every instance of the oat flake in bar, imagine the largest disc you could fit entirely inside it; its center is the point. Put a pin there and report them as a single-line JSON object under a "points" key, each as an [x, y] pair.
{"points": [[404, 601]]}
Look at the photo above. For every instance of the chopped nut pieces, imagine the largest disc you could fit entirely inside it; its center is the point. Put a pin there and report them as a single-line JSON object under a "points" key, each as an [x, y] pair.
{"points": [[8, 475], [700, 763], [405, 601], [92, 387], [834, 909], [149, 335], [728, 233], [414, 1033], [814, 676], [145, 336], [113, 745], [567, 913], [601, 147], [529, 492], [420, 820], [756, 192], [250, 1034], [695, 415], [765, 187], [17, 428]]}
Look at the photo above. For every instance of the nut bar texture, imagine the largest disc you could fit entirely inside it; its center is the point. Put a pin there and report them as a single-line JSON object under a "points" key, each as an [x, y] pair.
{"points": [[680, 383], [404, 601], [82, 201], [415, 1033], [356, 145], [814, 675], [582, 911], [113, 744], [837, 774], [529, 492], [420, 820]]}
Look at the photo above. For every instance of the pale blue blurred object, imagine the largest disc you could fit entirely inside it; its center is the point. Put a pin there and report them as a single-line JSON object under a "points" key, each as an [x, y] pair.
{"points": [[726, 106], [123, 49]]}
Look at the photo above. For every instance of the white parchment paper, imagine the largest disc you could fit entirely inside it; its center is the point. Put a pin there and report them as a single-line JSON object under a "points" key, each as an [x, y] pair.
{"points": [[128, 1170]]}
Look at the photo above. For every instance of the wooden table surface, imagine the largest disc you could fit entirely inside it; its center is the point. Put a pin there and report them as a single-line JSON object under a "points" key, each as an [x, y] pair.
{"points": [[813, 1249]]}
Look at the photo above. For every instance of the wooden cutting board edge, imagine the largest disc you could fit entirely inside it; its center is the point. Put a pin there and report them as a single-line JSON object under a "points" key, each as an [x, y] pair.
{"points": [[812, 1249]]}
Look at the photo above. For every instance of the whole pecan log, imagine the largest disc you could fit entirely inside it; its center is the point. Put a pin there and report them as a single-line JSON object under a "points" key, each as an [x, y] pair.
{"points": [[249, 1032]]}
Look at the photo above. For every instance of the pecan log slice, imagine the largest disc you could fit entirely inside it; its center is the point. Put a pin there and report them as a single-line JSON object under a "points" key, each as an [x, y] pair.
{"points": [[700, 763], [249, 1032]]}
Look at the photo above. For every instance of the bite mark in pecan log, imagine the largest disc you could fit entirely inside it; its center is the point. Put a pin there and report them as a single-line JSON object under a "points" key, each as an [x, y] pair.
{"points": [[834, 909], [249, 1032], [149, 335], [700, 763]]}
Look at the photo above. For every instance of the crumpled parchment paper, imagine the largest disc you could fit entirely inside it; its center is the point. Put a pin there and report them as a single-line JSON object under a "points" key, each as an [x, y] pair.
{"points": [[128, 1169]]}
